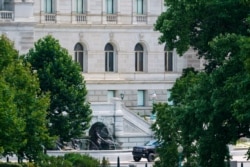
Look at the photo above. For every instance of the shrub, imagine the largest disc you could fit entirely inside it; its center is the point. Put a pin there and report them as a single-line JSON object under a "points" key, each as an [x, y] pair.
{"points": [[10, 165], [79, 160], [105, 162], [51, 161], [28, 164], [69, 160]]}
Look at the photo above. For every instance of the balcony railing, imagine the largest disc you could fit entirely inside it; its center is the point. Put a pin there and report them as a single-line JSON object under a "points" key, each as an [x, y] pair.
{"points": [[81, 18], [6, 15], [50, 17], [112, 18], [141, 18]]}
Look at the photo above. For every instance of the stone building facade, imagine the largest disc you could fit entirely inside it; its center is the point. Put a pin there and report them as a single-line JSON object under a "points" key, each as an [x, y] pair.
{"points": [[113, 40]]}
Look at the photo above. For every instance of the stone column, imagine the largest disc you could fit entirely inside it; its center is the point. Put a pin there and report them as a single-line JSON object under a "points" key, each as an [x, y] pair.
{"points": [[42, 19], [73, 11], [134, 12], [118, 11], [104, 13]]}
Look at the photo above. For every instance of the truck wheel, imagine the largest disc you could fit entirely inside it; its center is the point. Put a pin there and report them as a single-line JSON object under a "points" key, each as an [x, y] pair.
{"points": [[151, 157], [137, 159]]}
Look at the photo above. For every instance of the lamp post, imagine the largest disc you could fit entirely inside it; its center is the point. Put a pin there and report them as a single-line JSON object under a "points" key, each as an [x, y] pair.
{"points": [[122, 95], [180, 149], [154, 97]]}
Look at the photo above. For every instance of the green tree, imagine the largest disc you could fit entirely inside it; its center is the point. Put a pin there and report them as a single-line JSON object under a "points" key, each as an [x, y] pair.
{"points": [[195, 23], [11, 125], [69, 113], [166, 131], [210, 107], [23, 108]]}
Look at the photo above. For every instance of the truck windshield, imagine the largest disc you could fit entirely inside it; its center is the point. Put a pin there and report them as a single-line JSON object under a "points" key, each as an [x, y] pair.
{"points": [[151, 143]]}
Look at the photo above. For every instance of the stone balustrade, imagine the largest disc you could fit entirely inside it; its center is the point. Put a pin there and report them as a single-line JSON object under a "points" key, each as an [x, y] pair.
{"points": [[6, 15]]}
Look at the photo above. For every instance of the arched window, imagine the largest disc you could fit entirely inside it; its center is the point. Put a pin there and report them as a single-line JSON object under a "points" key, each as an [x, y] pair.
{"points": [[168, 60], [109, 58], [138, 57], [79, 55]]}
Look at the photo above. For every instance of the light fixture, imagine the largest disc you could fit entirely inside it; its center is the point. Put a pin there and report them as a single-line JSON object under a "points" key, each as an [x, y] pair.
{"points": [[122, 95], [153, 96]]}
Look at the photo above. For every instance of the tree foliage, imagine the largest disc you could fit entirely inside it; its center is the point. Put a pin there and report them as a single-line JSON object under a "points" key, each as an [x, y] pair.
{"points": [[210, 107], [69, 114], [22, 106], [195, 23], [168, 133]]}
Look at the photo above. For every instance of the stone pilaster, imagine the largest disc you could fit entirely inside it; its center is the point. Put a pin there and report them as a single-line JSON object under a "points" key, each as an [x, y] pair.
{"points": [[118, 122]]}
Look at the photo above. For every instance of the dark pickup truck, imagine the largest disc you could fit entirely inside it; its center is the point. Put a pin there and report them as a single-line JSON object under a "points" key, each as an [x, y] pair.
{"points": [[147, 151]]}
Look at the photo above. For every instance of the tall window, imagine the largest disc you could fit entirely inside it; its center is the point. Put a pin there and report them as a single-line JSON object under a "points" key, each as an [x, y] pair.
{"points": [[168, 60], [110, 6], [138, 57], [109, 58], [80, 6], [141, 98], [1, 4], [79, 55], [49, 6], [139, 7]]}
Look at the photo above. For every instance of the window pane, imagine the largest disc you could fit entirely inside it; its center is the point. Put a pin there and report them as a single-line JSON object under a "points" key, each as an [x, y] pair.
{"points": [[48, 6], [141, 61], [170, 61], [110, 6], [138, 47], [106, 61], [80, 59], [79, 55], [166, 60], [111, 61], [109, 57], [79, 6], [1, 5], [139, 6], [78, 47], [109, 47], [140, 98], [136, 61], [138, 57]]}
